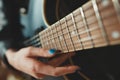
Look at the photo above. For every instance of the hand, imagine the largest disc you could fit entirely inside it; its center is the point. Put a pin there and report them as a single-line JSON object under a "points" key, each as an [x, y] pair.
{"points": [[25, 60]]}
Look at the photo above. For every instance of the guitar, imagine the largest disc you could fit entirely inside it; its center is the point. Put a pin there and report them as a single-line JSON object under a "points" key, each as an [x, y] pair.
{"points": [[93, 25]]}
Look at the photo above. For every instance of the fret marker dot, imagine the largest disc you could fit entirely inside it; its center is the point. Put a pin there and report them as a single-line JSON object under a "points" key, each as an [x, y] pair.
{"points": [[73, 33], [115, 34], [60, 38], [46, 42], [105, 3], [52, 40]]}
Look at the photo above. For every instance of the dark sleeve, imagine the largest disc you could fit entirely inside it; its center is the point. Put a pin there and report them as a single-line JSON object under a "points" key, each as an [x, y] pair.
{"points": [[11, 35]]}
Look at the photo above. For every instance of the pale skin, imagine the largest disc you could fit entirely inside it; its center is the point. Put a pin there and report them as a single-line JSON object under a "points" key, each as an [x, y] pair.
{"points": [[25, 60]]}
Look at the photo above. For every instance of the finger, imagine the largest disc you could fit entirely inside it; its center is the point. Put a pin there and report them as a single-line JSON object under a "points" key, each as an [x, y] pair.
{"points": [[41, 52], [54, 71], [39, 76], [60, 59], [60, 71]]}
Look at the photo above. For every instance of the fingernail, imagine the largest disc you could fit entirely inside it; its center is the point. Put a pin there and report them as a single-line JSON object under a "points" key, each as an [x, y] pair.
{"points": [[52, 51]]}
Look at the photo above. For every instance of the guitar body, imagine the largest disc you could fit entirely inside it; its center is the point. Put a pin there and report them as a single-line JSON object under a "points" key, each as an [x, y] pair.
{"points": [[95, 64]]}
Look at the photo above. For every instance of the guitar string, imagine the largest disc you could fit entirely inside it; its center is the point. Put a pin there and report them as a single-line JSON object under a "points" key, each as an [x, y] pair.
{"points": [[69, 35], [63, 37], [32, 40], [100, 22], [84, 31], [74, 25], [35, 36], [58, 38], [79, 33]]}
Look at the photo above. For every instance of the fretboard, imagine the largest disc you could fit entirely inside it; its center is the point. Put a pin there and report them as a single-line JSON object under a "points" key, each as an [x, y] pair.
{"points": [[95, 24]]}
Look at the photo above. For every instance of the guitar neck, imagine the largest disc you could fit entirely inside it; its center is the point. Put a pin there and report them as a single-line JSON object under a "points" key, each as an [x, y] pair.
{"points": [[95, 24]]}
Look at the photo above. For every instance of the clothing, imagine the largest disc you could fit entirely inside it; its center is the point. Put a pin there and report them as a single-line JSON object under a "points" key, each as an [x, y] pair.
{"points": [[10, 33]]}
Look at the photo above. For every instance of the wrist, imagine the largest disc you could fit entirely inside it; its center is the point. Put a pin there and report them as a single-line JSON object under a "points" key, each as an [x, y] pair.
{"points": [[9, 56]]}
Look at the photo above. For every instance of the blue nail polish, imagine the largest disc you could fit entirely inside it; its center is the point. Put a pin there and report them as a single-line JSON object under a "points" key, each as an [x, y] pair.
{"points": [[52, 51]]}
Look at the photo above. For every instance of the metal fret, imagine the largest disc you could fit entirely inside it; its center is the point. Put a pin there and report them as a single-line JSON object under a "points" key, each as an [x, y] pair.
{"points": [[53, 39], [55, 27], [69, 34], [44, 39], [110, 21], [64, 39], [49, 39], [45, 43], [40, 36], [76, 30], [116, 4], [86, 26], [99, 20]]}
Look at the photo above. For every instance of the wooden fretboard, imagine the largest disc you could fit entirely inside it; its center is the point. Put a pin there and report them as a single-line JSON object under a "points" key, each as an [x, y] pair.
{"points": [[95, 24]]}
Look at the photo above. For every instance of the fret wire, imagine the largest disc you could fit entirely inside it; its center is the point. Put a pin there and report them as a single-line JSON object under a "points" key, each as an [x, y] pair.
{"points": [[48, 40], [40, 36], [44, 39], [76, 30], [58, 37], [86, 26], [117, 8], [91, 22], [66, 38], [50, 37], [95, 28], [100, 23], [53, 40], [88, 38], [69, 33], [82, 32], [63, 37]]}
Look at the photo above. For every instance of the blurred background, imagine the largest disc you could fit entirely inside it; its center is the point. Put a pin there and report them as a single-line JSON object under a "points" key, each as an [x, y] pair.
{"points": [[5, 73]]}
